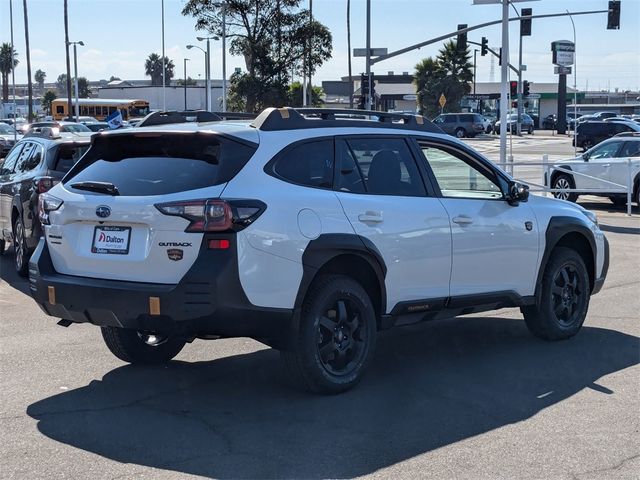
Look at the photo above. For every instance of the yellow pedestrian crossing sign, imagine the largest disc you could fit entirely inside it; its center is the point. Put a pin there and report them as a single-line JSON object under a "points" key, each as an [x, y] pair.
{"points": [[442, 101]]}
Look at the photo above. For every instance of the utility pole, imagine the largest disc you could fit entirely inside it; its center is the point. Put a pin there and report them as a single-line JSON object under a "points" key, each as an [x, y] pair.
{"points": [[185, 83], [368, 66], [349, 52], [504, 83], [475, 53], [13, 70], [310, 53], [224, 59], [66, 46], [164, 66]]}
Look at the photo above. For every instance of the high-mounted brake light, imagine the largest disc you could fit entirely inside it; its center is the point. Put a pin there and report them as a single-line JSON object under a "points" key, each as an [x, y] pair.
{"points": [[214, 215]]}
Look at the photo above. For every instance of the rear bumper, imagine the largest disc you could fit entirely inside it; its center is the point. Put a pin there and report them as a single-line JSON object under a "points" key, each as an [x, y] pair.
{"points": [[209, 300]]}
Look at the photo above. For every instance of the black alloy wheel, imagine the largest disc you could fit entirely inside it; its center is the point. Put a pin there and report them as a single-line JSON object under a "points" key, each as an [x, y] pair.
{"points": [[566, 294]]}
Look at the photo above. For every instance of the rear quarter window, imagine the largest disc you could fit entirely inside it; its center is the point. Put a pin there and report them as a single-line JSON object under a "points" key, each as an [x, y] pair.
{"points": [[66, 156], [309, 164], [159, 164]]}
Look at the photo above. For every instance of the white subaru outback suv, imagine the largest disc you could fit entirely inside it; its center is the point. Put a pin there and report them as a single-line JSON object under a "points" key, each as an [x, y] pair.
{"points": [[309, 230]]}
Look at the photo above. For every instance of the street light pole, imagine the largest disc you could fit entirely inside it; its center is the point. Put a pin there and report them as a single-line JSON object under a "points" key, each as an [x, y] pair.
{"points": [[575, 89], [504, 82], [206, 75], [475, 53], [208, 69], [224, 57], [368, 66], [13, 75], [75, 74], [164, 66], [185, 83]]}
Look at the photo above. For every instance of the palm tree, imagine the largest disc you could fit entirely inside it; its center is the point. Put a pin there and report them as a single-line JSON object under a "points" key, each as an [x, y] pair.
{"points": [[6, 66], [153, 68], [427, 79], [457, 71], [29, 82], [39, 77]]}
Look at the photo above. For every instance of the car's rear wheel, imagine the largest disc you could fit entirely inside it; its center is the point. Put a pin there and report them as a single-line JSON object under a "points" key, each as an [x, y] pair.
{"points": [[564, 181], [141, 347], [20, 249], [460, 132], [563, 299], [336, 337]]}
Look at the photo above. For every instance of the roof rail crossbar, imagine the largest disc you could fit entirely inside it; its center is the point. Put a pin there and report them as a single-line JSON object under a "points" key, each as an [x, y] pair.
{"points": [[287, 118], [236, 115], [165, 118]]}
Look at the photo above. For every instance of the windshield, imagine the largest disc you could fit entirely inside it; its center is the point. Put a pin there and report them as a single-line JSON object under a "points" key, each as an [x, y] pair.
{"points": [[75, 128], [138, 111], [5, 129]]}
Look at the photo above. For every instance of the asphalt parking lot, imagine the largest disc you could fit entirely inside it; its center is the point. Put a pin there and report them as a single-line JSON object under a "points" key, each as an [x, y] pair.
{"points": [[471, 398]]}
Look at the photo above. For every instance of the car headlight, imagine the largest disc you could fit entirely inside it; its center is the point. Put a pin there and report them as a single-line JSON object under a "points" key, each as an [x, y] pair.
{"points": [[591, 216]]}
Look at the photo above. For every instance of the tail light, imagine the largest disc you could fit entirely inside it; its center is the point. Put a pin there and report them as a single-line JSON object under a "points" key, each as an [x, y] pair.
{"points": [[214, 215], [47, 203], [44, 184]]}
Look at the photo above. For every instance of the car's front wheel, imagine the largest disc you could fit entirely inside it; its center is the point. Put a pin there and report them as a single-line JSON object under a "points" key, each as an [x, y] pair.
{"points": [[336, 337], [563, 299], [20, 250], [141, 347], [564, 183]]}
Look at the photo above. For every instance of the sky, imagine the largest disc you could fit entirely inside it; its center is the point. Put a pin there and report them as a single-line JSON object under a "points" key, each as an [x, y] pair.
{"points": [[120, 34]]}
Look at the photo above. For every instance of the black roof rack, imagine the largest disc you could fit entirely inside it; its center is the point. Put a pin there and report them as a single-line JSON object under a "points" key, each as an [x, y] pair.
{"points": [[165, 118], [236, 115], [272, 119]]}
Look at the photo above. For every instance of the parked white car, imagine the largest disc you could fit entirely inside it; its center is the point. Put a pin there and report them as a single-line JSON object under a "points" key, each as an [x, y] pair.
{"points": [[606, 161]]}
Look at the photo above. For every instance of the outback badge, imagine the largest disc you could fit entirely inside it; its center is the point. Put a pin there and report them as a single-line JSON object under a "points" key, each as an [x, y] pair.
{"points": [[175, 254]]}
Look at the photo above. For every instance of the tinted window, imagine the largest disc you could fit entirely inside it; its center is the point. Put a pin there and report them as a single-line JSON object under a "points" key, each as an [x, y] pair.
{"points": [[309, 163], [350, 177], [458, 177], [67, 155], [26, 164], [386, 167], [630, 149], [74, 128], [24, 156], [10, 161], [450, 119], [143, 164]]}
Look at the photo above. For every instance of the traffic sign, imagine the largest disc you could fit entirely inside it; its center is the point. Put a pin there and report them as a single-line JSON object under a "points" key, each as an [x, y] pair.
{"points": [[562, 70], [442, 101], [375, 52], [563, 52]]}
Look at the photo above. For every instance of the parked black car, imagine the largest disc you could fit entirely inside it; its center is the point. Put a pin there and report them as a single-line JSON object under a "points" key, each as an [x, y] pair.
{"points": [[34, 165], [592, 133]]}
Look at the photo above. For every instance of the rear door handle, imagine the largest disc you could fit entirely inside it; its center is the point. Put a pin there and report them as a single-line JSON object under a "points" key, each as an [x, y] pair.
{"points": [[462, 220], [370, 217]]}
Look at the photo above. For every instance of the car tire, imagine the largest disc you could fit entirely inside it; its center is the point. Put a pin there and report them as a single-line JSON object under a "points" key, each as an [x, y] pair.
{"points": [[530, 131], [563, 298], [564, 181], [21, 252], [618, 201], [335, 339], [135, 347], [460, 133]]}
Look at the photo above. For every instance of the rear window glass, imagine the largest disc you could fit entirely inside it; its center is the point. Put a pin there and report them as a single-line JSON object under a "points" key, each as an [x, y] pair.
{"points": [[143, 164], [66, 156]]}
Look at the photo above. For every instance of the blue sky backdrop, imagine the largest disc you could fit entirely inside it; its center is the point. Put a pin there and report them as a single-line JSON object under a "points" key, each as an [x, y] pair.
{"points": [[120, 34]]}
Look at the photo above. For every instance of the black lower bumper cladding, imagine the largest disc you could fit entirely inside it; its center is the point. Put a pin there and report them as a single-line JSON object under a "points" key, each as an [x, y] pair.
{"points": [[209, 300]]}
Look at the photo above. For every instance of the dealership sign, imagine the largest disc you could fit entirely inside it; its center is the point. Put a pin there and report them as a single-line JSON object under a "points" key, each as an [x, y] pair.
{"points": [[563, 52]]}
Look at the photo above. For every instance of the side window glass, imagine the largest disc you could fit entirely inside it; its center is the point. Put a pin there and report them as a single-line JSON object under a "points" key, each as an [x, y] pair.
{"points": [[349, 176], [631, 149], [24, 157], [34, 160], [309, 164], [457, 178], [10, 161], [607, 150], [450, 119], [386, 166]]}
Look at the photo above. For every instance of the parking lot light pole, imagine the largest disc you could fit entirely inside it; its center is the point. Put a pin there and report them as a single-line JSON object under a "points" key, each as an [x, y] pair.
{"points": [[185, 82], [575, 89], [206, 74], [208, 69], [75, 74]]}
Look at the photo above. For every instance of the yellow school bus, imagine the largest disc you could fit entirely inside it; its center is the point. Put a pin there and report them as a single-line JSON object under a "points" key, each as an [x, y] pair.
{"points": [[100, 108]]}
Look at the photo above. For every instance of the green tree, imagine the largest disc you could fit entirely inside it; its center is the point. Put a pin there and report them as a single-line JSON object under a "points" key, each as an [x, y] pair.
{"points": [[449, 74], [48, 97], [275, 38], [113, 78], [294, 95], [83, 88], [8, 62], [39, 77], [61, 85], [190, 82], [153, 69]]}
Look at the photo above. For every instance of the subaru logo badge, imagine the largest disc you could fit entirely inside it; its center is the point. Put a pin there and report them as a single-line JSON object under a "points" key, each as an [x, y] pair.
{"points": [[103, 211]]}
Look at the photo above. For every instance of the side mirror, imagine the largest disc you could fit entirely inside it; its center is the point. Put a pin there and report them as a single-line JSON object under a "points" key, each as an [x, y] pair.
{"points": [[585, 156], [517, 192]]}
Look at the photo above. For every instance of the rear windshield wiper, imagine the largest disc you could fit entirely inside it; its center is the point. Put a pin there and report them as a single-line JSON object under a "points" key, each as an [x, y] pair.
{"points": [[99, 187]]}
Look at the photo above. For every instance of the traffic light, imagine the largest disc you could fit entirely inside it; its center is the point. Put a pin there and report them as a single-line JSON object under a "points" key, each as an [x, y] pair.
{"points": [[462, 38], [513, 88], [525, 23], [525, 88], [613, 18], [514, 104], [484, 46], [364, 85]]}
